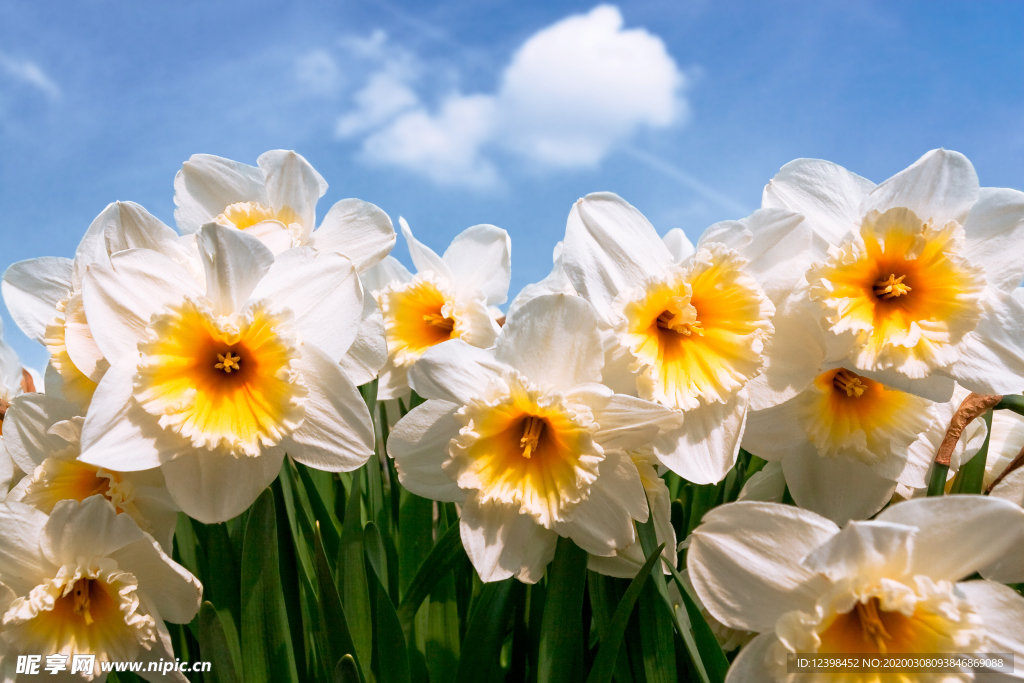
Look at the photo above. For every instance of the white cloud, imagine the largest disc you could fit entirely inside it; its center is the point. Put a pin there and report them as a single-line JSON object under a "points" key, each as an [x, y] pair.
{"points": [[29, 73], [318, 72], [571, 93]]}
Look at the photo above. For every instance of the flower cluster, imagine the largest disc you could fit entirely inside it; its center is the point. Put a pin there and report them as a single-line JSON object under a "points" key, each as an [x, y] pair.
{"points": [[781, 407]]}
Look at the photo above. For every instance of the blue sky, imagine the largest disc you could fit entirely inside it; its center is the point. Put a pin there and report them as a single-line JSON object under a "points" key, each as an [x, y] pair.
{"points": [[453, 114]]}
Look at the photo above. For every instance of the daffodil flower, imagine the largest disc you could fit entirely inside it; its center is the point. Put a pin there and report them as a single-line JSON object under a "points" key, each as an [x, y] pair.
{"points": [[914, 276], [891, 586], [219, 434], [526, 439], [43, 437], [86, 580], [44, 295], [689, 330], [556, 282], [447, 298], [1006, 444]]}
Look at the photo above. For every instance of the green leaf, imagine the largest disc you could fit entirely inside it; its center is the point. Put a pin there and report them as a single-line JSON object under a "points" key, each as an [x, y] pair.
{"points": [[416, 524], [715, 661], [442, 641], [336, 632], [392, 653], [445, 554], [214, 647], [937, 484], [373, 546], [657, 619], [1013, 402], [346, 671], [321, 512], [221, 587], [562, 636], [970, 478], [288, 569], [704, 498], [486, 632], [614, 633], [355, 594], [267, 653]]}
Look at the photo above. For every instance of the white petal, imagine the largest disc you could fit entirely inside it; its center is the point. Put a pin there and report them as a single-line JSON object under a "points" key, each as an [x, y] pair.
{"points": [[213, 487], [627, 562], [369, 351], [838, 488], [779, 252], [995, 236], [336, 434], [826, 194], [1011, 488], [207, 184], [793, 356], [751, 665], [704, 449], [26, 428], [419, 445], [553, 340], [502, 543], [293, 183], [454, 371], [358, 230], [767, 485], [626, 422], [234, 262], [957, 535], [118, 433], [603, 522], [274, 235], [1002, 611], [935, 387], [172, 588], [557, 282], [32, 290], [866, 550], [7, 470], [384, 273], [678, 244], [80, 344], [748, 580], [773, 433], [88, 528], [22, 563], [324, 294], [120, 299], [423, 257], [161, 651], [392, 382], [610, 247], [480, 259], [992, 361], [940, 186]]}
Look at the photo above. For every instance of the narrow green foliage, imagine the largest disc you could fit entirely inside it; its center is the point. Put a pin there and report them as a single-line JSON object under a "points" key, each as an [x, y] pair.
{"points": [[1013, 402], [614, 632], [416, 524], [656, 628], [373, 547], [267, 652], [486, 632], [321, 511], [562, 635], [392, 653], [715, 662], [215, 649], [705, 497], [937, 484], [337, 638], [355, 594], [442, 558], [346, 671]]}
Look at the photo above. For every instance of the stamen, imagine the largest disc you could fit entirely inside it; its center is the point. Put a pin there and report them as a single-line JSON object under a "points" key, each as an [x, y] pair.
{"points": [[531, 435], [845, 380], [439, 321], [890, 287], [871, 624], [228, 362], [81, 600], [667, 321]]}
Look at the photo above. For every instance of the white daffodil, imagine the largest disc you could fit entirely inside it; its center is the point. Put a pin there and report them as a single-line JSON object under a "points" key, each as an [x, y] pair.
{"points": [[275, 202], [447, 298], [14, 380], [690, 330], [44, 295], [914, 277], [847, 441], [213, 380], [890, 586], [625, 563], [87, 580], [43, 436], [1005, 446], [525, 438], [556, 282]]}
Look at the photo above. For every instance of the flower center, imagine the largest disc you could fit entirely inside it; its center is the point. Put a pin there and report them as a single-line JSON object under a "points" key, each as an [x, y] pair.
{"points": [[681, 360], [527, 447], [224, 382], [904, 289], [418, 315], [244, 215], [845, 414], [87, 609]]}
